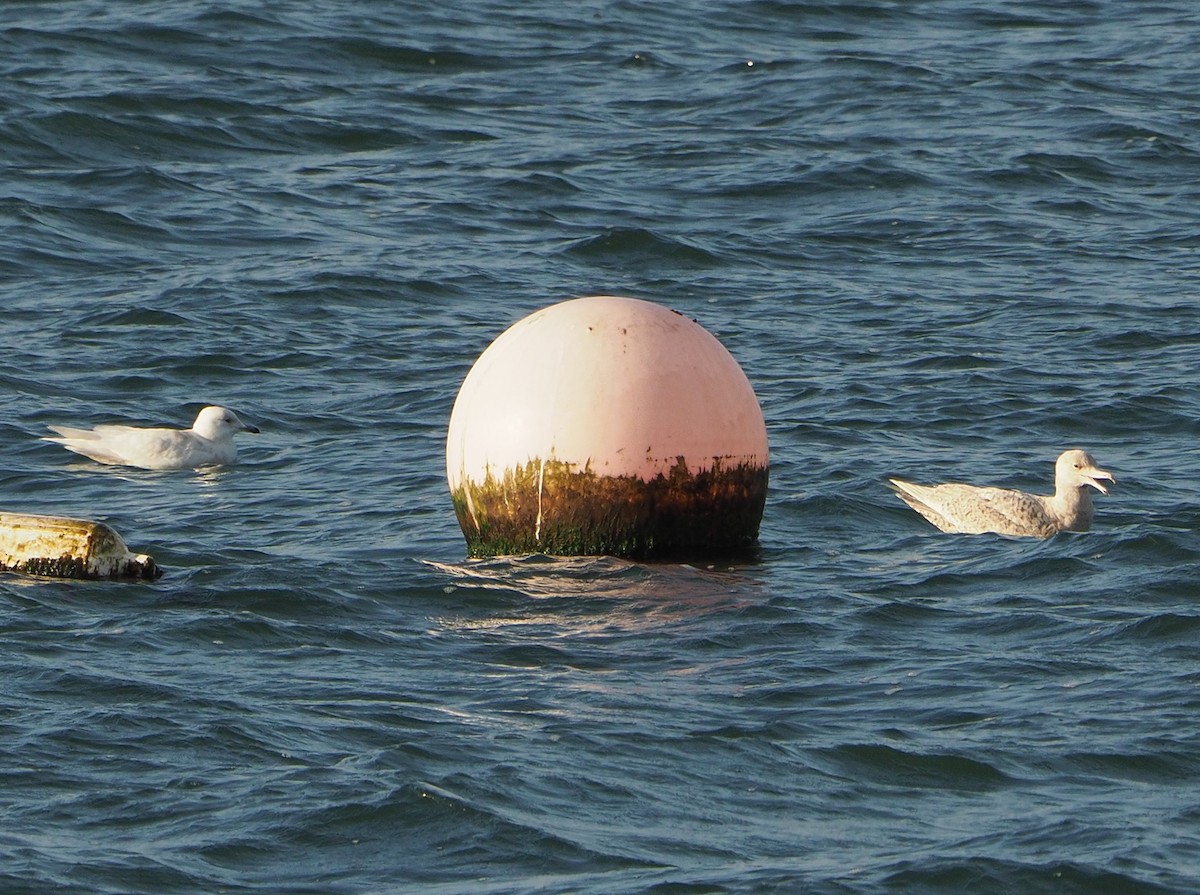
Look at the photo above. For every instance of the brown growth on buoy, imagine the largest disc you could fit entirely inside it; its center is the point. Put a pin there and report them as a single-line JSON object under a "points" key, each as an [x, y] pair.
{"points": [[549, 507]]}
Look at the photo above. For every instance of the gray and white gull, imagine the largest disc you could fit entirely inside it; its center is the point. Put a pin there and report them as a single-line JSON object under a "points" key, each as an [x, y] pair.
{"points": [[970, 509], [208, 443]]}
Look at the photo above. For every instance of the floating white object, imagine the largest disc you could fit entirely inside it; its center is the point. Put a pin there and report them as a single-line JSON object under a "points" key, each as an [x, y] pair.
{"points": [[208, 443], [59, 547], [607, 425], [969, 509]]}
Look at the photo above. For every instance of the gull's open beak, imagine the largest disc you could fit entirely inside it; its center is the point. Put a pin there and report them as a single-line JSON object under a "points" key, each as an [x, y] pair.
{"points": [[1094, 477]]}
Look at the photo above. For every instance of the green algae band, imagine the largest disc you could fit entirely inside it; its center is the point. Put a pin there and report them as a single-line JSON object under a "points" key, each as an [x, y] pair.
{"points": [[607, 425], [552, 508], [59, 547]]}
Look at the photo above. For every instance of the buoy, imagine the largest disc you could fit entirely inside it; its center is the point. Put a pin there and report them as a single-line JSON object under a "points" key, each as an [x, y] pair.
{"points": [[58, 547], [607, 425]]}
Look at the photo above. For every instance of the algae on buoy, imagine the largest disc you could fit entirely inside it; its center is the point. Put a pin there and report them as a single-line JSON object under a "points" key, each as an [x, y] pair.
{"points": [[59, 547], [607, 425]]}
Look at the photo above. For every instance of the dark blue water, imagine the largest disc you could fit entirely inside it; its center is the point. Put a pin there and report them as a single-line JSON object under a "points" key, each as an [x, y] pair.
{"points": [[945, 239]]}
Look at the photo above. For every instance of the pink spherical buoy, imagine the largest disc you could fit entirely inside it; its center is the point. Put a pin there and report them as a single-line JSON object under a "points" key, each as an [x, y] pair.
{"points": [[607, 425]]}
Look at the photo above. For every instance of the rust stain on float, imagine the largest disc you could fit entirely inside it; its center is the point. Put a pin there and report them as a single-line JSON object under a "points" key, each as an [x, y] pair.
{"points": [[58, 547], [549, 506]]}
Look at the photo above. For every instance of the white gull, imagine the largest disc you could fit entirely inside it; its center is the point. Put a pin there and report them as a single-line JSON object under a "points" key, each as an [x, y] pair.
{"points": [[969, 509], [208, 443]]}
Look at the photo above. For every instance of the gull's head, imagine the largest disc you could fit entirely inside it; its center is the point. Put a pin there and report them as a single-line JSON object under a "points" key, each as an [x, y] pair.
{"points": [[1077, 469], [219, 424]]}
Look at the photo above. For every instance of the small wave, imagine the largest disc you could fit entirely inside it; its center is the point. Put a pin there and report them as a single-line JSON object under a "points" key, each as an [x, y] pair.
{"points": [[984, 875], [954, 362], [454, 819], [133, 316], [888, 766], [1171, 627], [1163, 767], [1042, 168], [377, 54], [638, 245]]}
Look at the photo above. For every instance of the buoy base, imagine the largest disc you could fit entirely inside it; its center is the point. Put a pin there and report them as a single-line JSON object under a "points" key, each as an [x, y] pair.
{"points": [[552, 507]]}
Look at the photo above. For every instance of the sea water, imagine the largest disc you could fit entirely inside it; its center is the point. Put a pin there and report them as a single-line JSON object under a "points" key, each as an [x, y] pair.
{"points": [[945, 240]]}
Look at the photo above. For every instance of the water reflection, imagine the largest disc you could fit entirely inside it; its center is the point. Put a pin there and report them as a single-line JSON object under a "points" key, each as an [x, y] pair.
{"points": [[591, 593]]}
